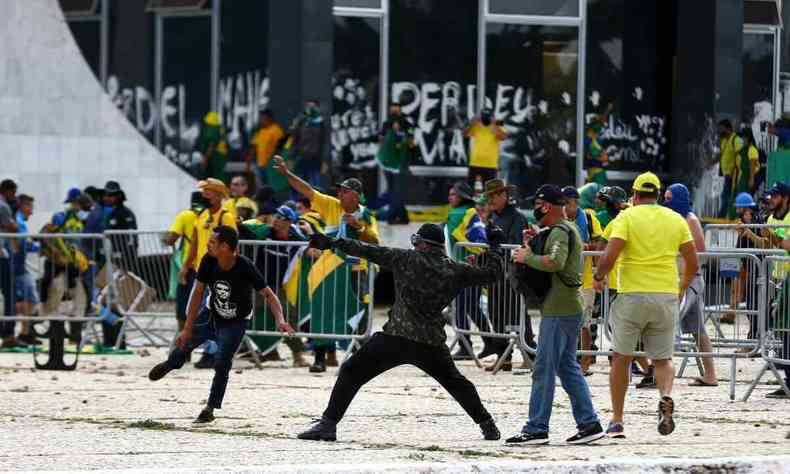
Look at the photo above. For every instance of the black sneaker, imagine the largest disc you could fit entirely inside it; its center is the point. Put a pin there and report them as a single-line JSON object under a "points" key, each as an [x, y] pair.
{"points": [[158, 371], [587, 435], [490, 431], [322, 430], [462, 354], [487, 351], [648, 381], [318, 368], [666, 408], [615, 430], [206, 416], [777, 394], [529, 438], [205, 362]]}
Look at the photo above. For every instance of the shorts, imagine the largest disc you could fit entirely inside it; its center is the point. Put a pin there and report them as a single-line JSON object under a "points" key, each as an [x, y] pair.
{"points": [[692, 309], [588, 300], [649, 316], [25, 289]]}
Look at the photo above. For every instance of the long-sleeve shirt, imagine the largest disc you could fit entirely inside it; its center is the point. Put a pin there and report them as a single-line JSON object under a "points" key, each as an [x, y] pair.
{"points": [[425, 283], [511, 222], [564, 297]]}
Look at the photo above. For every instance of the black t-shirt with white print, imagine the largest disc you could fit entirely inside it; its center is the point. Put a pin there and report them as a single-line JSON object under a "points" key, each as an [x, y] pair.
{"points": [[231, 290]]}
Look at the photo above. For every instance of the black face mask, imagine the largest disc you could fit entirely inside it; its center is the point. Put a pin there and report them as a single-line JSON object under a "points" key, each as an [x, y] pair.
{"points": [[539, 213]]}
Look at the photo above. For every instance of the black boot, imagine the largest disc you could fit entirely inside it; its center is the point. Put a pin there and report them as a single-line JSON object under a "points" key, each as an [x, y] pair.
{"points": [[319, 365], [463, 353], [205, 416], [205, 362], [158, 371], [323, 430], [490, 431]]}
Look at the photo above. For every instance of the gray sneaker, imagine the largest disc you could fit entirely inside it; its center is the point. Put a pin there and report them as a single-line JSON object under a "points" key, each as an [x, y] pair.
{"points": [[666, 409], [615, 430]]}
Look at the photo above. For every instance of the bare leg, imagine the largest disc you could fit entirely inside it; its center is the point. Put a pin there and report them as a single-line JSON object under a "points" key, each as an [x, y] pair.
{"points": [[665, 376], [618, 383], [704, 345], [644, 363]]}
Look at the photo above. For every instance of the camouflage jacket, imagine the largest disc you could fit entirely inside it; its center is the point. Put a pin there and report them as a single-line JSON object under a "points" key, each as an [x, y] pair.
{"points": [[425, 283]]}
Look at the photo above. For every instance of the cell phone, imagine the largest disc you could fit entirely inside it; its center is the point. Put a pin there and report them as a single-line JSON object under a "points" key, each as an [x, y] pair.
{"points": [[764, 126]]}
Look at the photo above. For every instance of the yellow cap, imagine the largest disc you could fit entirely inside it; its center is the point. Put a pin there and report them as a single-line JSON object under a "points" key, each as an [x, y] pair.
{"points": [[647, 182], [211, 118], [246, 203]]}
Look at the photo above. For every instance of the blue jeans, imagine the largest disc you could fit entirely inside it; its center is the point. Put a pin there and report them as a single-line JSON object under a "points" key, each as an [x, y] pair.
{"points": [[557, 357], [7, 289], [396, 186], [726, 197], [228, 335]]}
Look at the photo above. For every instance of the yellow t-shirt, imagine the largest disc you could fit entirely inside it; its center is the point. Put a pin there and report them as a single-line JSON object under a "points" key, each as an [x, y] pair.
{"points": [[484, 148], [780, 270], [587, 272], [653, 235], [183, 226], [205, 224], [730, 147], [265, 141], [332, 213], [614, 275]]}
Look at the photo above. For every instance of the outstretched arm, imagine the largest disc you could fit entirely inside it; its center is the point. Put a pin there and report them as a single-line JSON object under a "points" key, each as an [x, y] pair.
{"points": [[491, 271], [294, 181], [384, 256]]}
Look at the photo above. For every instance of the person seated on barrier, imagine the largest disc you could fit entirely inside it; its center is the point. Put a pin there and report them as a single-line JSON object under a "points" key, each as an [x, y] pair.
{"points": [[562, 317], [181, 231], [213, 216], [426, 281], [692, 309], [464, 225], [590, 230], [646, 239], [231, 279], [273, 262]]}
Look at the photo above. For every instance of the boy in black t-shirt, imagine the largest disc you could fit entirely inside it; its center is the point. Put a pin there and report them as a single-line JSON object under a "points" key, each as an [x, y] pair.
{"points": [[231, 279]]}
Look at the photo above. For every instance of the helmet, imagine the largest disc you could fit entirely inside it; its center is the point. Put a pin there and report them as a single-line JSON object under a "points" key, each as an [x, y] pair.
{"points": [[613, 195], [744, 200]]}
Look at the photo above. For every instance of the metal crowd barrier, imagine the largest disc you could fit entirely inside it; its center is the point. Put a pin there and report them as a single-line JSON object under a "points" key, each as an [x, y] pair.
{"points": [[53, 277], [726, 236], [145, 282], [327, 297], [775, 322]]}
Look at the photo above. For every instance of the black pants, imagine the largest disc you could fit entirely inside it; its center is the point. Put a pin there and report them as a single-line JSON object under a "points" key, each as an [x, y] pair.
{"points": [[504, 309], [383, 352]]}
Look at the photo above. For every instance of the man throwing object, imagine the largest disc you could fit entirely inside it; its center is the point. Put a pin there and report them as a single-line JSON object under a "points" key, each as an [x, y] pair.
{"points": [[426, 280], [231, 279]]}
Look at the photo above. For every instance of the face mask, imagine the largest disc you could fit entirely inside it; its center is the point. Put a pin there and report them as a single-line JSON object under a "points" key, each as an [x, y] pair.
{"points": [[82, 215], [310, 110], [539, 213]]}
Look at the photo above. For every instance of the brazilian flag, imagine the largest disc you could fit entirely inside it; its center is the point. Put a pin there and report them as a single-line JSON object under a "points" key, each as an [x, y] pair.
{"points": [[335, 305]]}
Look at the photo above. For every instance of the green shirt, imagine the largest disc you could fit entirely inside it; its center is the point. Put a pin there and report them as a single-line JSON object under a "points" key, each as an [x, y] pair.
{"points": [[566, 268]]}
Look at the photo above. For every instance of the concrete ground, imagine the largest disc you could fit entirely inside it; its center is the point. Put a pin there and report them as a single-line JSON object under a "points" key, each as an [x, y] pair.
{"points": [[107, 415]]}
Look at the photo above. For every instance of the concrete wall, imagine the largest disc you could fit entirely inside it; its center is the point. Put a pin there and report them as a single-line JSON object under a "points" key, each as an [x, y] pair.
{"points": [[58, 128]]}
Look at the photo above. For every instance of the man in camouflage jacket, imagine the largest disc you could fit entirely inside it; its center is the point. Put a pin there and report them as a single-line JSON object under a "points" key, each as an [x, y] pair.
{"points": [[426, 281]]}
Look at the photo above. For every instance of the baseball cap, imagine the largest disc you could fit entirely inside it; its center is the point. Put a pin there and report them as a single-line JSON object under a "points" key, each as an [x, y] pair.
{"points": [[353, 184], [73, 194], [570, 192], [647, 183], [779, 188], [287, 213], [550, 193]]}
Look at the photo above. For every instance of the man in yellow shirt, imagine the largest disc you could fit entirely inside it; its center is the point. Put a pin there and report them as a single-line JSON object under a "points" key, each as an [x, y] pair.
{"points": [[730, 147], [265, 143], [484, 150], [214, 192], [646, 238], [183, 228]]}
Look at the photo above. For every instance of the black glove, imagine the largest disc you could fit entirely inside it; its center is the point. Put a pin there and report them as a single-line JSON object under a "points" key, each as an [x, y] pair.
{"points": [[495, 236], [321, 242]]}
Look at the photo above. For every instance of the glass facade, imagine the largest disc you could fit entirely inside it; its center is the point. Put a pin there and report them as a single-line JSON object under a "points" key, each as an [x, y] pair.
{"points": [[531, 84], [758, 84], [88, 33], [534, 7]]}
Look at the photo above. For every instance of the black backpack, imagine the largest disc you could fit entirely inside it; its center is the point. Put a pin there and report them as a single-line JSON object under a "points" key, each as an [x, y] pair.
{"points": [[535, 284]]}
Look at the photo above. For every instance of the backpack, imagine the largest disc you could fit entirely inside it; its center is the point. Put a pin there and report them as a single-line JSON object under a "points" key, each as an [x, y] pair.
{"points": [[535, 284]]}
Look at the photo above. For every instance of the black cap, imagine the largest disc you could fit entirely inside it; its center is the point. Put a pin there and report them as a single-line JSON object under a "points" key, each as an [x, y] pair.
{"points": [[550, 193], [570, 192], [464, 190], [353, 184], [779, 188], [112, 188], [432, 234]]}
